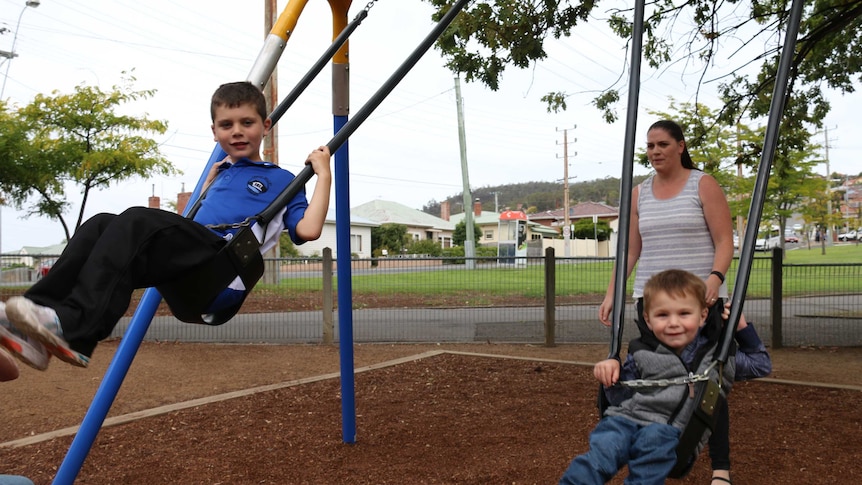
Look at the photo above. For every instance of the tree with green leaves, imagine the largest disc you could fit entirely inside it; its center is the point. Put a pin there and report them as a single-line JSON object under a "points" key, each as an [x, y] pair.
{"points": [[792, 182], [815, 212], [286, 248], [489, 36], [459, 234], [426, 247], [78, 139], [585, 229], [389, 236]]}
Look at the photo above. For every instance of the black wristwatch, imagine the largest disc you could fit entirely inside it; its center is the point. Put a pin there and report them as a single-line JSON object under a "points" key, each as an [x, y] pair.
{"points": [[719, 274]]}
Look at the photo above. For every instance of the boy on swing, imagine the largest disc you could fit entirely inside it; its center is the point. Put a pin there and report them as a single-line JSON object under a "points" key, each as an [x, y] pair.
{"points": [[79, 302], [642, 426]]}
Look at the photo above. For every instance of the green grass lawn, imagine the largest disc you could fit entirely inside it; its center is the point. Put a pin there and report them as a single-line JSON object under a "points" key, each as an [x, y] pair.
{"points": [[590, 277], [843, 253]]}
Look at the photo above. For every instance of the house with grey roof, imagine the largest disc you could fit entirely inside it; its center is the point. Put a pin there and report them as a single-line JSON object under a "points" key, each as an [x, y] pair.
{"points": [[583, 210], [33, 255], [489, 224], [420, 226], [360, 237]]}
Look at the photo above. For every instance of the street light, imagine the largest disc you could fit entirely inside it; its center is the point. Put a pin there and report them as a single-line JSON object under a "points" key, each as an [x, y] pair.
{"points": [[9, 55]]}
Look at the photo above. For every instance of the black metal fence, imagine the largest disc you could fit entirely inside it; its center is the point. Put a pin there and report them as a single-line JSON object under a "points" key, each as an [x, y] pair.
{"points": [[540, 300]]}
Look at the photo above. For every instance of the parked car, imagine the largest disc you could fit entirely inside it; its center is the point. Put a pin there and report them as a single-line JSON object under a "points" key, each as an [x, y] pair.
{"points": [[847, 236], [791, 238], [45, 266], [765, 242]]}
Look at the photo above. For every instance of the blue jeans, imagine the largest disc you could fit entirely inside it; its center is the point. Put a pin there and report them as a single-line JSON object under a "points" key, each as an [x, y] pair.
{"points": [[649, 451]]}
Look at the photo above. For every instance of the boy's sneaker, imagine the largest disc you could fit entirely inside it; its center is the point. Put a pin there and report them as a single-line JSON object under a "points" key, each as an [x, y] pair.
{"points": [[42, 324], [28, 350]]}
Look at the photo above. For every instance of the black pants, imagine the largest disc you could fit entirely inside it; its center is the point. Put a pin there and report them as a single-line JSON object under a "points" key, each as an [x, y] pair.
{"points": [[90, 286], [719, 440]]}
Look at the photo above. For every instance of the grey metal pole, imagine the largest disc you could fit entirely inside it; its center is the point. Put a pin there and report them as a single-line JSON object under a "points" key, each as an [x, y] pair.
{"points": [[626, 184]]}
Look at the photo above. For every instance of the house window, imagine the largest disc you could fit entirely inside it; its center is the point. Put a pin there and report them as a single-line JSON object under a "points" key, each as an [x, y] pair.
{"points": [[489, 234], [355, 243]]}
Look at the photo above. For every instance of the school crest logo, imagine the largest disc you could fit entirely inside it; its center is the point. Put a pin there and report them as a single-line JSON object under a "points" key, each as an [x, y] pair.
{"points": [[257, 186]]}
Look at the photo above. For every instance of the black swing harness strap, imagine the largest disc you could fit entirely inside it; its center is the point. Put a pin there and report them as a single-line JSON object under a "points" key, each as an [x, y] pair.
{"points": [[702, 420]]}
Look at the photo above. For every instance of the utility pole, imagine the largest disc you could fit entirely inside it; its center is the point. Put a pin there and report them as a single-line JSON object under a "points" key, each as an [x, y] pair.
{"points": [[270, 89], [9, 56], [567, 228], [499, 224], [469, 242], [270, 142], [496, 202], [831, 230]]}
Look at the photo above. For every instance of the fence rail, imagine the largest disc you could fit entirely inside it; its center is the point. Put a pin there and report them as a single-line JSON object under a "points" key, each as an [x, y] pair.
{"points": [[540, 300]]}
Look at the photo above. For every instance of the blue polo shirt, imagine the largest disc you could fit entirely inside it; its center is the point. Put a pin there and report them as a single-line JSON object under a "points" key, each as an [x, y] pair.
{"points": [[243, 189]]}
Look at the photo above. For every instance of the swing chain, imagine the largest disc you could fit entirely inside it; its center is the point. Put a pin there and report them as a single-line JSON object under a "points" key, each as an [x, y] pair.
{"points": [[690, 378], [369, 5], [233, 225]]}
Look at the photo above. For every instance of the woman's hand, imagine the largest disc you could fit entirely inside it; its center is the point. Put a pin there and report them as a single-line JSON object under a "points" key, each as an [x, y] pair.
{"points": [[605, 310], [712, 286]]}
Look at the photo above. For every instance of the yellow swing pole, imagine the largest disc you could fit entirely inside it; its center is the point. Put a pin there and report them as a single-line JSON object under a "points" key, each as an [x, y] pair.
{"points": [[275, 42]]}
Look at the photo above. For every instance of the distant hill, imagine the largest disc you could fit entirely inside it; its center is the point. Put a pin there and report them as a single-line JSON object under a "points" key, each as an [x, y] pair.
{"points": [[536, 196]]}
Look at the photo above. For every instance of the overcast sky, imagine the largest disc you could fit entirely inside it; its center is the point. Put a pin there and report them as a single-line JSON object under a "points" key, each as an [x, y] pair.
{"points": [[407, 151]]}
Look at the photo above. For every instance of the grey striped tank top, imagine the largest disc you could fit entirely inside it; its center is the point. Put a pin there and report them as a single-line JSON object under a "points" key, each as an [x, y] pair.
{"points": [[674, 234]]}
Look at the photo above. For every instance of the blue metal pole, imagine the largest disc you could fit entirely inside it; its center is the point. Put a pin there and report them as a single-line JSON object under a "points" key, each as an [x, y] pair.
{"points": [[118, 369], [345, 287]]}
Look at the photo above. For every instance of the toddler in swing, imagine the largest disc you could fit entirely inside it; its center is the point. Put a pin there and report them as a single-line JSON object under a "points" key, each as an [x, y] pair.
{"points": [[79, 302], [642, 425]]}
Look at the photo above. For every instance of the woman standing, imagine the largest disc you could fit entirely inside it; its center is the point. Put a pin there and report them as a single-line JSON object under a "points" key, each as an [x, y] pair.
{"points": [[680, 219]]}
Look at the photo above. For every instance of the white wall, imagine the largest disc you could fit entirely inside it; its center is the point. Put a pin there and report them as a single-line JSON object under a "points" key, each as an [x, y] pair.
{"points": [[577, 247], [327, 239]]}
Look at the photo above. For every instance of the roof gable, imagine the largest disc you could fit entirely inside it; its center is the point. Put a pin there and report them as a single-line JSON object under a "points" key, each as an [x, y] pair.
{"points": [[384, 211], [579, 211], [482, 219]]}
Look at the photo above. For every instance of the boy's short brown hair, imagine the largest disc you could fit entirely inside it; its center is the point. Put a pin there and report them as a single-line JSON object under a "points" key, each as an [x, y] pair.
{"points": [[675, 282], [232, 95]]}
